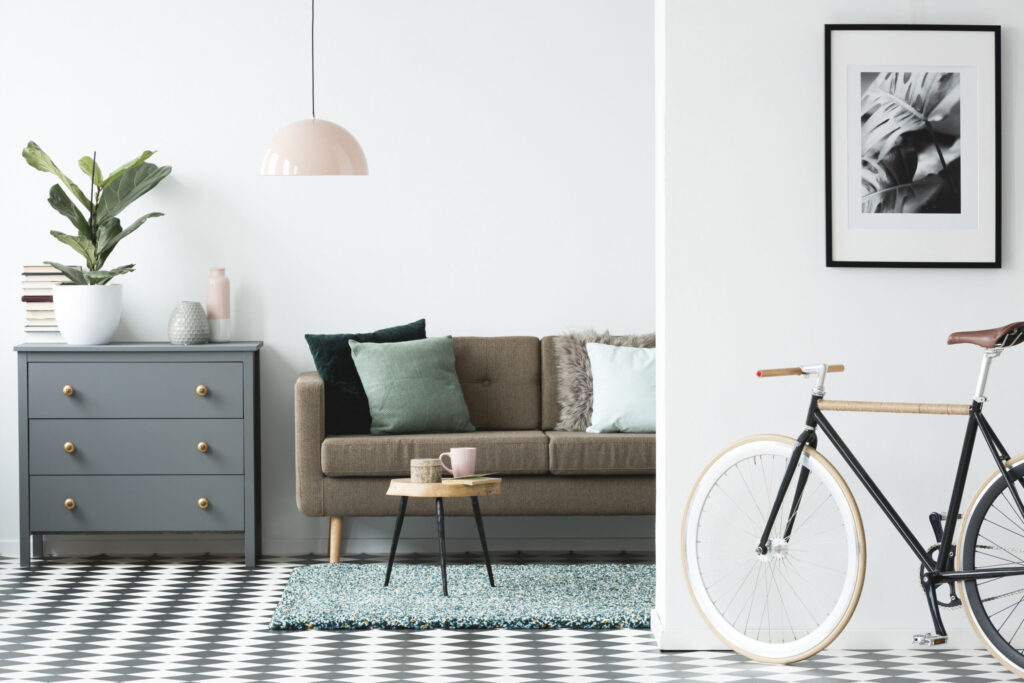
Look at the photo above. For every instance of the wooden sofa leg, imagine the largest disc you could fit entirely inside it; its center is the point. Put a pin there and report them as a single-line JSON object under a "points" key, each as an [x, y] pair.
{"points": [[334, 542]]}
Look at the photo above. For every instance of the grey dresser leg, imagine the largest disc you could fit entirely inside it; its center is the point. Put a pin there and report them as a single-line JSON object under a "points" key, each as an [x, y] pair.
{"points": [[250, 548], [334, 540], [37, 546], [26, 557]]}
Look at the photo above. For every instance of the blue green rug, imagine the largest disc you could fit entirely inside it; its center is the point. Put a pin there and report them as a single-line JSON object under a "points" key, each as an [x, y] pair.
{"points": [[527, 596]]}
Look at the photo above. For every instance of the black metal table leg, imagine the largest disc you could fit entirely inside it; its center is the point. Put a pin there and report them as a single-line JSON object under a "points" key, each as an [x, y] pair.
{"points": [[440, 540], [483, 538], [394, 539]]}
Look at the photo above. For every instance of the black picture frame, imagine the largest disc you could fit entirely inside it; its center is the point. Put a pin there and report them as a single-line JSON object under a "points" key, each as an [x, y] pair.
{"points": [[831, 260]]}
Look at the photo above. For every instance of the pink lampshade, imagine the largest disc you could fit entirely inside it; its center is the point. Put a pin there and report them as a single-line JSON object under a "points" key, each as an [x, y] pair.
{"points": [[313, 147]]}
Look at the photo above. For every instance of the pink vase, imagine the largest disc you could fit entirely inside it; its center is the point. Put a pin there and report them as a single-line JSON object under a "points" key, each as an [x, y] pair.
{"points": [[218, 305]]}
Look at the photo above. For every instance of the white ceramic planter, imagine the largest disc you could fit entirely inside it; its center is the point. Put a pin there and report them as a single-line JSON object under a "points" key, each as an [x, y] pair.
{"points": [[87, 314]]}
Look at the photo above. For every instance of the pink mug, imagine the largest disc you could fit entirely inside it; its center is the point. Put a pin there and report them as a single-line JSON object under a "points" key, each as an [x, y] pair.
{"points": [[462, 460]]}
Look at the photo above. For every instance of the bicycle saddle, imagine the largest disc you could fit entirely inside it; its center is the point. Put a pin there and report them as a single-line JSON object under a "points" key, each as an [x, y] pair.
{"points": [[1007, 335]]}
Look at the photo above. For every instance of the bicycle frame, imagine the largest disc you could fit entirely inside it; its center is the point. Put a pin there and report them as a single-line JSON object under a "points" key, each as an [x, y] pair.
{"points": [[940, 570]]}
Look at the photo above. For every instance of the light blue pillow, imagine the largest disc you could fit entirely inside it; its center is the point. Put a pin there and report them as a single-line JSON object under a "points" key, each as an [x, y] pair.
{"points": [[624, 399]]}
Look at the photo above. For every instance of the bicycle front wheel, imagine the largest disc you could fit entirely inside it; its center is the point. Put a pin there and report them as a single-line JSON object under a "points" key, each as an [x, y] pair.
{"points": [[789, 603]]}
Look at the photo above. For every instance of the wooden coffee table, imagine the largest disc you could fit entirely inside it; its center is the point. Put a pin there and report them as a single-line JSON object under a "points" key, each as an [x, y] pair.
{"points": [[406, 489]]}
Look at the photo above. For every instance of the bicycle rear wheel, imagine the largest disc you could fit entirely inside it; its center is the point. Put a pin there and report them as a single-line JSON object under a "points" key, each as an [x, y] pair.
{"points": [[791, 602], [993, 536]]}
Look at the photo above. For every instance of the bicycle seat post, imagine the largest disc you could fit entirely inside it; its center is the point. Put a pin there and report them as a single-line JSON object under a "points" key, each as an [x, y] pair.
{"points": [[986, 364]]}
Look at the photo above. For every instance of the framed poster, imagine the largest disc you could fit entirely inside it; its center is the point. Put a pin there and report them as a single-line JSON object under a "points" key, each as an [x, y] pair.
{"points": [[912, 158]]}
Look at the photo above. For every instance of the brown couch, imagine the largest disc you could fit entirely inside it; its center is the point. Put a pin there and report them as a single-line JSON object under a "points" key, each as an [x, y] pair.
{"points": [[510, 388]]}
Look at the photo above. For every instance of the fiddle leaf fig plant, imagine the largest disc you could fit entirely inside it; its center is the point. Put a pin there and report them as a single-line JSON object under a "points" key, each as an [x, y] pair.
{"points": [[98, 230]]}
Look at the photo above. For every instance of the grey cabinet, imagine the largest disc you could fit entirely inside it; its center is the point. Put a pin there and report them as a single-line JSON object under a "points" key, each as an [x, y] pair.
{"points": [[139, 437]]}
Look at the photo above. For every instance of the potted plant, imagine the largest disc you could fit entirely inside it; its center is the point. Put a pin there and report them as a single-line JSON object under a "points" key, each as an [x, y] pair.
{"points": [[87, 307]]}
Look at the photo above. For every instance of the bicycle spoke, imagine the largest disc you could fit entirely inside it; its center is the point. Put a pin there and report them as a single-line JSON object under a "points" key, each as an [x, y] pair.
{"points": [[1020, 560], [1015, 520], [786, 596], [761, 513]]}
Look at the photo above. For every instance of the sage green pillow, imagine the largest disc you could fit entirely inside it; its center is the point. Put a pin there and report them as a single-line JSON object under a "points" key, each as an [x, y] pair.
{"points": [[411, 386], [345, 409]]}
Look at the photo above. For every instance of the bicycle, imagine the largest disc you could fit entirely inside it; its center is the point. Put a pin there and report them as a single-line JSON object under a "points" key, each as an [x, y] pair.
{"points": [[773, 545]]}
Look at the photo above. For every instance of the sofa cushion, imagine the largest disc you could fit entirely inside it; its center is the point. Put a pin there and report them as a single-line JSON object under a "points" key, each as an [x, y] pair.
{"points": [[345, 406], [504, 452], [624, 387], [500, 378], [575, 379], [411, 386], [583, 453]]}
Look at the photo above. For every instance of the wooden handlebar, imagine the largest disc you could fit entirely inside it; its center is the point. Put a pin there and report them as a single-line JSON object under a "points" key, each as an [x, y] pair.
{"points": [[780, 372]]}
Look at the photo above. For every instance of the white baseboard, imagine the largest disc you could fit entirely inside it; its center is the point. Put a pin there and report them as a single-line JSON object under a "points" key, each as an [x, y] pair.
{"points": [[675, 639], [682, 639]]}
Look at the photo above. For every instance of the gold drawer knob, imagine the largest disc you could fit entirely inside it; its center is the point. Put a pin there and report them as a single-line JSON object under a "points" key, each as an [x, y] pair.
{"points": [[203, 503], [201, 390], [68, 390], [69, 447], [202, 446], [69, 503]]}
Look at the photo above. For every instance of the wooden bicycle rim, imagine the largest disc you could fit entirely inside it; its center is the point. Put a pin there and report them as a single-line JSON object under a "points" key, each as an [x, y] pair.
{"points": [[879, 407]]}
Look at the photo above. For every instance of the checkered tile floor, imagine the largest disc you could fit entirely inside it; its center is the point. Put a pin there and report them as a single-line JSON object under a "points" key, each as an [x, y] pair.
{"points": [[202, 619]]}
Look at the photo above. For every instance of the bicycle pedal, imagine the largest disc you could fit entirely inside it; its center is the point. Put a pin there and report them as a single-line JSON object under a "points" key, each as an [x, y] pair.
{"points": [[929, 640]]}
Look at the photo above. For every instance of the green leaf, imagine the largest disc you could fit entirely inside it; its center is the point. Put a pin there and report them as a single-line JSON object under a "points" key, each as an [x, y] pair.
{"points": [[39, 160], [85, 163], [65, 207], [83, 246], [102, 277], [125, 167], [110, 233], [73, 273], [127, 187]]}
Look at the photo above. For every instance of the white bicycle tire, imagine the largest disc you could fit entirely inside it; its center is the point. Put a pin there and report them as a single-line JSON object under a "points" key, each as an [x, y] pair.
{"points": [[846, 602]]}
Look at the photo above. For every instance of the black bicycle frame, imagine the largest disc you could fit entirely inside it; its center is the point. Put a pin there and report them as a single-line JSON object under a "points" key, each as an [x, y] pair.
{"points": [[939, 570]]}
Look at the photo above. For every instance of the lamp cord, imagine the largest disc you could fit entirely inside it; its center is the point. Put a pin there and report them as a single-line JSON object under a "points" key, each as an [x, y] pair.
{"points": [[312, 54]]}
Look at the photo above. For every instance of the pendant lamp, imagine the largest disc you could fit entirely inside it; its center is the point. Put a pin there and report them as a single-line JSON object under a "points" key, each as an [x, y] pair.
{"points": [[313, 146]]}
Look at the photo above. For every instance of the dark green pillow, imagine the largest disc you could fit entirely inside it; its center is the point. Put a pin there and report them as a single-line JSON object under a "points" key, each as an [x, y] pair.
{"points": [[345, 407], [412, 386]]}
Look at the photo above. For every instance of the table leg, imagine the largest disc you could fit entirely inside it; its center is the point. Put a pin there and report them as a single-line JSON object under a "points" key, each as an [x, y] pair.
{"points": [[440, 540], [483, 538], [394, 539]]}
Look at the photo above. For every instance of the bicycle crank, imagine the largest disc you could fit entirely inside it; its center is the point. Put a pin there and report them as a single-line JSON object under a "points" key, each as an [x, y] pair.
{"points": [[954, 600]]}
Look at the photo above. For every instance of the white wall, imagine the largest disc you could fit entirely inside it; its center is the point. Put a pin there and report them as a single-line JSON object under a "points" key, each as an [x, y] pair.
{"points": [[746, 287], [511, 189]]}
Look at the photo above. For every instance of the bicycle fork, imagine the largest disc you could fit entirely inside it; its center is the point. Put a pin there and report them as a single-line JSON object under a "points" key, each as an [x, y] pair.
{"points": [[808, 437]]}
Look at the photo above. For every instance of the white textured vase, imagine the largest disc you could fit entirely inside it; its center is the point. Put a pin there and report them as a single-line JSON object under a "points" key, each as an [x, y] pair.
{"points": [[188, 324], [87, 314]]}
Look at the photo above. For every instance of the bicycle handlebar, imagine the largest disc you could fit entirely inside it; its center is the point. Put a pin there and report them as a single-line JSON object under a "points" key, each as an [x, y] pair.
{"points": [[780, 372]]}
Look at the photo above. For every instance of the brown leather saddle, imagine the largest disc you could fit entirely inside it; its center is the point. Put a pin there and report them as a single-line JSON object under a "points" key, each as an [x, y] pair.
{"points": [[1005, 336]]}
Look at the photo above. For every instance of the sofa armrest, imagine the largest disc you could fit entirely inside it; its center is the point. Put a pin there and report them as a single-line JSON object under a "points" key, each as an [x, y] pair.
{"points": [[309, 437]]}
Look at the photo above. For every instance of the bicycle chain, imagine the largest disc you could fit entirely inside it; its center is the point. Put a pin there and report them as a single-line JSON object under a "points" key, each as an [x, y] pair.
{"points": [[994, 597]]}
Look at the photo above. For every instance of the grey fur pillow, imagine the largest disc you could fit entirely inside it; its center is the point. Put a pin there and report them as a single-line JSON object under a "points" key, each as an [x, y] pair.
{"points": [[575, 381]]}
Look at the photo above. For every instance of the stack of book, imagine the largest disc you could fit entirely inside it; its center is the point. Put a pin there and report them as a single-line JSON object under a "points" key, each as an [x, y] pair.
{"points": [[37, 283]]}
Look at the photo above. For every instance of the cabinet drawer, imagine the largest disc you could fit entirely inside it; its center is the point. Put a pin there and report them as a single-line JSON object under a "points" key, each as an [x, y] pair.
{"points": [[134, 390], [104, 446], [137, 503]]}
